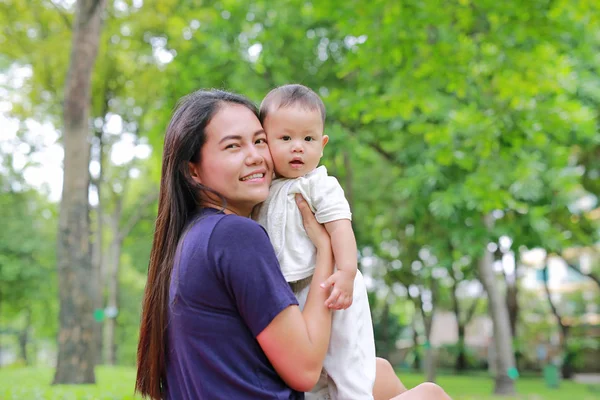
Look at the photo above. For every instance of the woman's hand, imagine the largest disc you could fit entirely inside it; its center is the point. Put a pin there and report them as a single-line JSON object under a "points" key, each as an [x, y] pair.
{"points": [[315, 231]]}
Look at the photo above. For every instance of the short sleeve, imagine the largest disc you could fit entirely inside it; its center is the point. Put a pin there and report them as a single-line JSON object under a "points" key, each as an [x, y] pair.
{"points": [[247, 265], [328, 198]]}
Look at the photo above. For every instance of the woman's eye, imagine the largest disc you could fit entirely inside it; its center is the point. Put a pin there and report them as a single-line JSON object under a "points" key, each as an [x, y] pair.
{"points": [[232, 146], [309, 138], [286, 138], [261, 141]]}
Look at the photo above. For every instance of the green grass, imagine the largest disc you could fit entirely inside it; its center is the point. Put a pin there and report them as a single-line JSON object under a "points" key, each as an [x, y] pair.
{"points": [[112, 383], [478, 387], [116, 383]]}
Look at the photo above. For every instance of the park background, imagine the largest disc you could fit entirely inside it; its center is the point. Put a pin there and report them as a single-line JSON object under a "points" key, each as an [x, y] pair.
{"points": [[465, 134]]}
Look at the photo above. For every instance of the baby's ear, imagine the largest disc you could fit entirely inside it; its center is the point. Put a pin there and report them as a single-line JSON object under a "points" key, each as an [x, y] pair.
{"points": [[325, 141]]}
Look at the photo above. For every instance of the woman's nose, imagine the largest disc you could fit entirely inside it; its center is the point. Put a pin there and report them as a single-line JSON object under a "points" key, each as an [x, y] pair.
{"points": [[254, 156]]}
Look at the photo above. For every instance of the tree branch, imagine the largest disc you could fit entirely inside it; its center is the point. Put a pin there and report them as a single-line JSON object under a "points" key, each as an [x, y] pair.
{"points": [[453, 291], [63, 15], [592, 276], [418, 302], [93, 5], [471, 311], [137, 215], [389, 157], [552, 306], [375, 146]]}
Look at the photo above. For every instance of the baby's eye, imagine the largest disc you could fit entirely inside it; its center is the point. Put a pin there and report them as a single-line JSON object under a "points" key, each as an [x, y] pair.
{"points": [[309, 138], [286, 138]]}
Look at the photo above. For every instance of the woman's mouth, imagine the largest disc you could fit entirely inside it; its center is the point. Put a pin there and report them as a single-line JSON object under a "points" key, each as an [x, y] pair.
{"points": [[253, 177]]}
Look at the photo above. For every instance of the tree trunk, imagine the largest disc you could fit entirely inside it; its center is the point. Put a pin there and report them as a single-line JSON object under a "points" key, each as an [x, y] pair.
{"points": [[77, 291], [119, 232], [505, 357], [567, 369], [113, 278], [461, 359], [98, 248], [430, 356], [417, 360], [97, 266], [348, 188], [385, 330], [430, 364], [512, 305], [113, 299], [24, 338]]}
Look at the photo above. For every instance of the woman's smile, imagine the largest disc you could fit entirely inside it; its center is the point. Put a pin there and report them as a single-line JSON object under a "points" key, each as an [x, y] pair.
{"points": [[235, 160]]}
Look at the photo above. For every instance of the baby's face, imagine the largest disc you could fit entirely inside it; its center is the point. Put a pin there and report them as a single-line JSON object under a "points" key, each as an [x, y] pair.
{"points": [[296, 140]]}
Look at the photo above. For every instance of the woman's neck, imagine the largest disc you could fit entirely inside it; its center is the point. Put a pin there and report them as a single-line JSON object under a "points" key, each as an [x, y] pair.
{"points": [[226, 210]]}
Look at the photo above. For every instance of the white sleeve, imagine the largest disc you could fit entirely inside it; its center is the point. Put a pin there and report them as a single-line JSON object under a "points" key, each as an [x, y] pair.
{"points": [[327, 198]]}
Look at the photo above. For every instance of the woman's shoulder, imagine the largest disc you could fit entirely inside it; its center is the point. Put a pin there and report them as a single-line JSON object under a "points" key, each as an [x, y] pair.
{"points": [[218, 222], [218, 231], [239, 229], [237, 241]]}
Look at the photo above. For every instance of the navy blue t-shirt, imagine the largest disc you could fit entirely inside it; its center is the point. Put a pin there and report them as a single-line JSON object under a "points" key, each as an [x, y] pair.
{"points": [[226, 287]]}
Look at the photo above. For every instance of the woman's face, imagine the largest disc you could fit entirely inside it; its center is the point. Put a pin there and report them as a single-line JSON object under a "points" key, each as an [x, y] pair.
{"points": [[235, 160]]}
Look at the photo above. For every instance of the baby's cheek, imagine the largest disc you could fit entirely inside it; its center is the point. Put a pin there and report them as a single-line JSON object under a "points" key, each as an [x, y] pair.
{"points": [[278, 158]]}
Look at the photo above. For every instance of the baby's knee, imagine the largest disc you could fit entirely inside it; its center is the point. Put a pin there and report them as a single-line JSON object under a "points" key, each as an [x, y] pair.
{"points": [[384, 365], [431, 391]]}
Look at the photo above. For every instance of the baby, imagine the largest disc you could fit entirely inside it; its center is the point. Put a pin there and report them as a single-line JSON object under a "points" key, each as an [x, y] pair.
{"points": [[293, 117]]}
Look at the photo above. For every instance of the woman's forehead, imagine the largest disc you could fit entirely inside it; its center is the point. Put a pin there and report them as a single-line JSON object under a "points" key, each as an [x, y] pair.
{"points": [[232, 120]]}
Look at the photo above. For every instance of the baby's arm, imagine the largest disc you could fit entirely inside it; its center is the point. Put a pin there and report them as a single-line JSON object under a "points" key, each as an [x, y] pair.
{"points": [[344, 248]]}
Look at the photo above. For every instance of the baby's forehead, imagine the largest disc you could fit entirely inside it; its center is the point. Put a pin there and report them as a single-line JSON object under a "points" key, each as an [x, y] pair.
{"points": [[294, 120], [298, 107]]}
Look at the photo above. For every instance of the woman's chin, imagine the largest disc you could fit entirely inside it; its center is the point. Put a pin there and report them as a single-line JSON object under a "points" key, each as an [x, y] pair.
{"points": [[260, 199], [259, 196]]}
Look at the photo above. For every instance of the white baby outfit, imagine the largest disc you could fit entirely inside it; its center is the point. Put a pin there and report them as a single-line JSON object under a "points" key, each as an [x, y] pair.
{"points": [[349, 367]]}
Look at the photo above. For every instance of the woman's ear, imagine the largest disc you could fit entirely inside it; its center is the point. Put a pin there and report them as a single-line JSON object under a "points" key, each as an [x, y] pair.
{"points": [[194, 172]]}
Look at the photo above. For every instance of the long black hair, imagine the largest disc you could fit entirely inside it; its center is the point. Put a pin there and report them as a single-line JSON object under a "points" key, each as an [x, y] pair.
{"points": [[178, 201]]}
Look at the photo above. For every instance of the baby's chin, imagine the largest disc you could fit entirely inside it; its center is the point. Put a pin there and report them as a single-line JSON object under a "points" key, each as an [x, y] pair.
{"points": [[289, 175]]}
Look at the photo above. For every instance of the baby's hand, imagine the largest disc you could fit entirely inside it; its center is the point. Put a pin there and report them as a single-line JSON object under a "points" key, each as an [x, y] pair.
{"points": [[343, 288]]}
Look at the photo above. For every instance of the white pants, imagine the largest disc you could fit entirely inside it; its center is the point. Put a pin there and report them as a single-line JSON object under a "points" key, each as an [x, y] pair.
{"points": [[349, 366]]}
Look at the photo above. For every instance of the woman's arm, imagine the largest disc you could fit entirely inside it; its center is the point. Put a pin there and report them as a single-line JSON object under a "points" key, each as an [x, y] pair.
{"points": [[345, 252], [296, 342]]}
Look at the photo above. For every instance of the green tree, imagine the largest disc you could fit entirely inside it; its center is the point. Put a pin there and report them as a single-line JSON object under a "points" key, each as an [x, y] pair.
{"points": [[76, 358]]}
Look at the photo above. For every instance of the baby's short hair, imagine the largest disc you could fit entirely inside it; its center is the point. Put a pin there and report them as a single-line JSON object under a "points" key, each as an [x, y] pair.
{"points": [[291, 95]]}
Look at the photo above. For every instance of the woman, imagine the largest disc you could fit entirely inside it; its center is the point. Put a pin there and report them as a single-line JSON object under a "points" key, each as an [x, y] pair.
{"points": [[218, 319]]}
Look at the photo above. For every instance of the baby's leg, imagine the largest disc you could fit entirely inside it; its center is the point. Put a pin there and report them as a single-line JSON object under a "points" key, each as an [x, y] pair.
{"points": [[425, 391], [350, 360], [389, 387], [387, 383]]}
